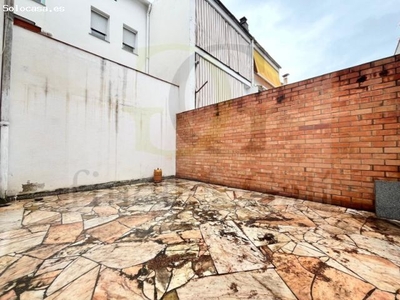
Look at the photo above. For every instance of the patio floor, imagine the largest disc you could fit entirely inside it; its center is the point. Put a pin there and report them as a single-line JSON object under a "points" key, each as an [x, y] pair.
{"points": [[187, 240]]}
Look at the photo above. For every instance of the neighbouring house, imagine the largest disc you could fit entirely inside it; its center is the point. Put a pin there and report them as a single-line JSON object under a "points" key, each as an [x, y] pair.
{"points": [[115, 30], [266, 70], [397, 48], [91, 89], [202, 47]]}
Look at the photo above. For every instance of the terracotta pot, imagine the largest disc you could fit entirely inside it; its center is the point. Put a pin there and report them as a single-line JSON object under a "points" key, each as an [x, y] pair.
{"points": [[157, 175]]}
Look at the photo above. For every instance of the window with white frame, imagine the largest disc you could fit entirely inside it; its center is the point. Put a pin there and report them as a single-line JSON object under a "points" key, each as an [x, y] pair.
{"points": [[129, 39], [99, 24]]}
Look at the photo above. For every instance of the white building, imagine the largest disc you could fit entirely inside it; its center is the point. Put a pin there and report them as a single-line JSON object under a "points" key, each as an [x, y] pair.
{"points": [[202, 47], [91, 89], [115, 30], [397, 48]]}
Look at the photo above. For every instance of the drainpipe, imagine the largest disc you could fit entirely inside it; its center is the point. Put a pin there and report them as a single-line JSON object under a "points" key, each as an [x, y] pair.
{"points": [[148, 39], [252, 63], [5, 97]]}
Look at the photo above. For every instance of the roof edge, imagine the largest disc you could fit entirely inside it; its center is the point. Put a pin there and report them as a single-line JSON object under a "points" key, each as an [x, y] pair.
{"points": [[267, 54]]}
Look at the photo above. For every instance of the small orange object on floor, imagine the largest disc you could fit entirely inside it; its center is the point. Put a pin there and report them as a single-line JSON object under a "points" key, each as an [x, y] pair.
{"points": [[157, 175]]}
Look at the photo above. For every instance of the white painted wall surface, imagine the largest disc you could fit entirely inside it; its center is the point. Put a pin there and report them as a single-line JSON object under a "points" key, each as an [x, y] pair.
{"points": [[172, 50], [258, 80], [73, 25], [77, 119], [1, 29]]}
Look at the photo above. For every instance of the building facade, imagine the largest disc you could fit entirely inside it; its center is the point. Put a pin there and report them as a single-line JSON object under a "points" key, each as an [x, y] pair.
{"points": [[197, 44], [203, 48], [115, 30]]}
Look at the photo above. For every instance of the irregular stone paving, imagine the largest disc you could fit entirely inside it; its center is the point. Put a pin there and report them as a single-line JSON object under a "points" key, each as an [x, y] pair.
{"points": [[187, 240]]}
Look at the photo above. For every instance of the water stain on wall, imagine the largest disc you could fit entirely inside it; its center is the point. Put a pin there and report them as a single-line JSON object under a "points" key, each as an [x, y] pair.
{"points": [[116, 113], [102, 77], [124, 84], [109, 99]]}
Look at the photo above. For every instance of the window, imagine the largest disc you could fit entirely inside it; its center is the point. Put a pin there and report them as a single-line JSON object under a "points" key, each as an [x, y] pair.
{"points": [[99, 24], [129, 39]]}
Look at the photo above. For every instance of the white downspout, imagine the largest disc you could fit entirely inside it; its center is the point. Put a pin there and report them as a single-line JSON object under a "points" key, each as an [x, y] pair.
{"points": [[148, 38], [5, 97], [252, 63]]}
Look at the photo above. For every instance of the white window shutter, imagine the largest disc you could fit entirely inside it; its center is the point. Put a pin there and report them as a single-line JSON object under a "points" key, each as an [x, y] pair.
{"points": [[99, 23], [129, 38]]}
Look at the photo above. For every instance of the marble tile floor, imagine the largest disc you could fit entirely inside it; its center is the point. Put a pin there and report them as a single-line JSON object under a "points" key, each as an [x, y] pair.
{"points": [[188, 240]]}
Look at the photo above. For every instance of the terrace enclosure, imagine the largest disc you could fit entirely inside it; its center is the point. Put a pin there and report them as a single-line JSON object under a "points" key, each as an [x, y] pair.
{"points": [[326, 139]]}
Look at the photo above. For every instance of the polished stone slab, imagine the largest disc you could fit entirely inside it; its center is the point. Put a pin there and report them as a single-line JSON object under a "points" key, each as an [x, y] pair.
{"points": [[71, 217], [182, 239], [114, 285], [230, 249], [71, 272], [39, 217], [124, 255], [81, 288], [246, 285], [23, 267], [21, 244], [63, 233], [10, 219]]}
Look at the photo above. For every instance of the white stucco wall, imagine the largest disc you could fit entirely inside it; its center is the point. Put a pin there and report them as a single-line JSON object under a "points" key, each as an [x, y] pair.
{"points": [[1, 29], [77, 119], [72, 25], [172, 50]]}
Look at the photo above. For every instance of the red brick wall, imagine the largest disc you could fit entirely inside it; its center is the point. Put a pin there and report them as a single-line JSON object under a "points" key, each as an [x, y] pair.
{"points": [[325, 139]]}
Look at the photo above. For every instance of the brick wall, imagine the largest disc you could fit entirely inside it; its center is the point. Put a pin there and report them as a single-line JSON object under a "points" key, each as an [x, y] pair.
{"points": [[324, 139]]}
